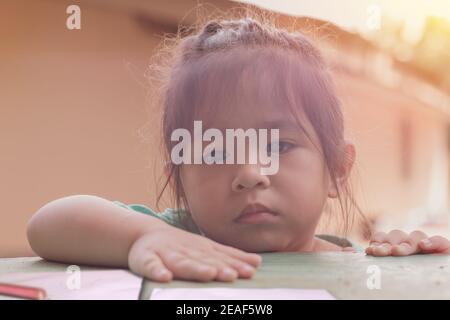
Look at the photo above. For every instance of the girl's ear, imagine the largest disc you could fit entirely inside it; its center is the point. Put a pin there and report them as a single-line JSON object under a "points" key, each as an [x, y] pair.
{"points": [[344, 170]]}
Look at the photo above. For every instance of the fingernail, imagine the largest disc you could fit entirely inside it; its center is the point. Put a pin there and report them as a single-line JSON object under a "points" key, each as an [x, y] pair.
{"points": [[161, 273], [404, 245], [384, 247], [248, 268], [426, 243], [228, 272]]}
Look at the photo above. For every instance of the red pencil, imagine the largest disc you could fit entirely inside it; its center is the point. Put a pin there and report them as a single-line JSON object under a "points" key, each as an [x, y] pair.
{"points": [[20, 291]]}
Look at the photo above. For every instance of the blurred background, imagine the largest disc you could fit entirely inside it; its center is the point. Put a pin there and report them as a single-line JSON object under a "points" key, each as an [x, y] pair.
{"points": [[74, 114]]}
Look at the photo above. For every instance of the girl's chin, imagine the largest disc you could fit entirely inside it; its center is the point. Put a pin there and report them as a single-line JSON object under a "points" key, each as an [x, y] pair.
{"points": [[249, 244]]}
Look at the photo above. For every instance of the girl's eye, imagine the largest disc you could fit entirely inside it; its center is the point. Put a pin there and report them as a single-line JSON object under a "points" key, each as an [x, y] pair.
{"points": [[278, 147]]}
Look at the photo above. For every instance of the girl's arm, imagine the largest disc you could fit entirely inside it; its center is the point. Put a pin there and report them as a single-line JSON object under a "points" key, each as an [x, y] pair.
{"points": [[87, 229], [90, 230]]}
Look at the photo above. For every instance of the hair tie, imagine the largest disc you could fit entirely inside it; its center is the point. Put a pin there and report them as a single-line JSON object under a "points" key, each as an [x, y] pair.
{"points": [[212, 27]]}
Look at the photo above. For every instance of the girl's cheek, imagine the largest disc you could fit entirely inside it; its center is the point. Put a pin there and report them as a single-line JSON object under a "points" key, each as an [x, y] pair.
{"points": [[305, 164], [198, 175]]}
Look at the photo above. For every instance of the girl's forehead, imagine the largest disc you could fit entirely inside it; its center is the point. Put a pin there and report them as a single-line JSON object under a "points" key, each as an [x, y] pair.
{"points": [[249, 116], [247, 88], [246, 107]]}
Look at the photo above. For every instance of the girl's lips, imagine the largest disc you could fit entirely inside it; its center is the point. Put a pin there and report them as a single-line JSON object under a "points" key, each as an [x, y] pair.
{"points": [[256, 213], [257, 217]]}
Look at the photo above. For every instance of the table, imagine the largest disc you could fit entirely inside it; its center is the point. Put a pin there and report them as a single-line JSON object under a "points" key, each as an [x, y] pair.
{"points": [[344, 275]]}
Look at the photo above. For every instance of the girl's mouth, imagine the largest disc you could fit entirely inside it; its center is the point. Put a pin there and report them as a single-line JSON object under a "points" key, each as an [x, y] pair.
{"points": [[256, 213]]}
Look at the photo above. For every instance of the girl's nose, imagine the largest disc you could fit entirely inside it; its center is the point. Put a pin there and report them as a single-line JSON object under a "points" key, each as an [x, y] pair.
{"points": [[248, 176]]}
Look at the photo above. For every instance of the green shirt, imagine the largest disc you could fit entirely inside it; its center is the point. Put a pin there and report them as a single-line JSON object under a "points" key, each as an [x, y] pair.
{"points": [[181, 219], [176, 218]]}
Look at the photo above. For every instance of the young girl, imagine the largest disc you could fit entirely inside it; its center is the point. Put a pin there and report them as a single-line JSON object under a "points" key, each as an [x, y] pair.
{"points": [[231, 74]]}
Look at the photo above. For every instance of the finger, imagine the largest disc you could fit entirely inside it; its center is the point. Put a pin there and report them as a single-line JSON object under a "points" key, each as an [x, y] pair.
{"points": [[225, 271], [378, 238], [410, 245], [404, 249], [382, 243], [222, 261], [186, 268], [396, 237], [226, 274], [251, 258], [243, 269], [435, 244], [348, 249], [152, 267], [381, 250]]}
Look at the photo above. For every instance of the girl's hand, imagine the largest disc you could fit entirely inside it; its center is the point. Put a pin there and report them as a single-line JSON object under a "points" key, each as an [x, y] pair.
{"points": [[398, 243], [167, 253]]}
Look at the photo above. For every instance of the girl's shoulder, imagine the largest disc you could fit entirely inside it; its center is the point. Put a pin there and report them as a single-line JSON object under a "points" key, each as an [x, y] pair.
{"points": [[177, 218]]}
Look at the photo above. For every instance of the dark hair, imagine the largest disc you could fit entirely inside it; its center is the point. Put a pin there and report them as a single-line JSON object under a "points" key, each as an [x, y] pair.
{"points": [[186, 62]]}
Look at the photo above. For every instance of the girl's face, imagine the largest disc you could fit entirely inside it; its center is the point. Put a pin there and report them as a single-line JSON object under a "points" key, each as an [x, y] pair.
{"points": [[218, 193]]}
